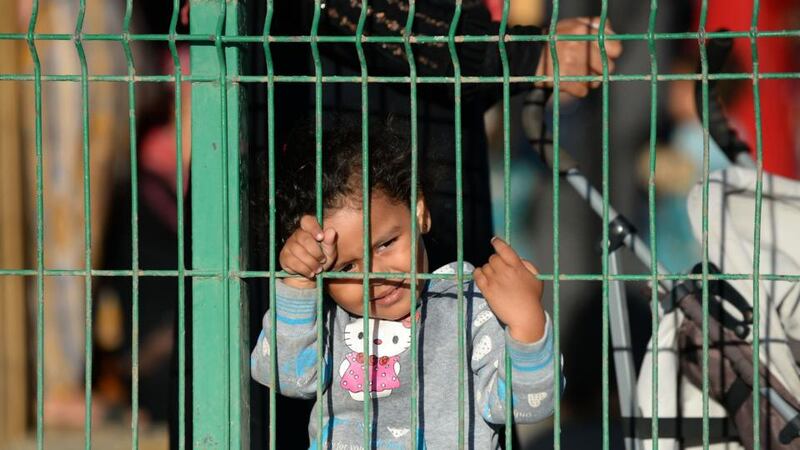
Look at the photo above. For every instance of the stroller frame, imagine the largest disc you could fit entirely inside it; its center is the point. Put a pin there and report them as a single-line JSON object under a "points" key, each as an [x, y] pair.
{"points": [[621, 233]]}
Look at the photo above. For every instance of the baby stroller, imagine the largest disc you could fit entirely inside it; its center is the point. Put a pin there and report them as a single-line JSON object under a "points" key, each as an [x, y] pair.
{"points": [[731, 200]]}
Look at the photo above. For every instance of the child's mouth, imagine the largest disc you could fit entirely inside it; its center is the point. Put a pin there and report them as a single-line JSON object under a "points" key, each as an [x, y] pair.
{"points": [[390, 297]]}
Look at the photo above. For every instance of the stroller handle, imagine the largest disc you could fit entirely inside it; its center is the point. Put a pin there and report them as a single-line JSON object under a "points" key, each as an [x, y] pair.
{"points": [[535, 128], [736, 150], [621, 232]]}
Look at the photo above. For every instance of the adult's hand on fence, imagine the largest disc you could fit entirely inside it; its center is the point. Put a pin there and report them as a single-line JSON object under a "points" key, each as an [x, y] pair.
{"points": [[307, 252], [579, 58], [513, 292]]}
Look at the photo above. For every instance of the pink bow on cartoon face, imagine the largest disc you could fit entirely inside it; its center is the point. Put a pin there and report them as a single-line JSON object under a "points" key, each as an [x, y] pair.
{"points": [[372, 359]]}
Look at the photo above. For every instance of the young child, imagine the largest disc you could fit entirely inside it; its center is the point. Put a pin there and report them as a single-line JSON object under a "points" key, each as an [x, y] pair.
{"points": [[502, 306]]}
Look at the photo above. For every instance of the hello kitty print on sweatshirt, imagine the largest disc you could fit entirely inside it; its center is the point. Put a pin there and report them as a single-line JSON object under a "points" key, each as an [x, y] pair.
{"points": [[389, 340], [389, 366]]}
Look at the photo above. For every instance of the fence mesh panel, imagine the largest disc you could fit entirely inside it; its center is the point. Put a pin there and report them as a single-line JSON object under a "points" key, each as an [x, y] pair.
{"points": [[219, 271]]}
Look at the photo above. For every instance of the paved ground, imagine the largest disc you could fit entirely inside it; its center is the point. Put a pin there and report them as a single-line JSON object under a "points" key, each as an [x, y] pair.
{"points": [[108, 437]]}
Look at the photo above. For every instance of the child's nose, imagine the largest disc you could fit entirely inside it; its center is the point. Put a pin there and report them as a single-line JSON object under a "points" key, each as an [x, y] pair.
{"points": [[377, 341]]}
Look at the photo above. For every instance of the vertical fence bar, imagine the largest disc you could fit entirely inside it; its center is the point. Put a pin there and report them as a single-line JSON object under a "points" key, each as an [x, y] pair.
{"points": [[509, 407], [319, 208], [651, 209], [222, 104], [701, 38], [218, 316], [209, 333], [506, 136], [37, 92], [273, 354], [234, 136], [366, 210], [87, 218], [412, 71], [181, 332], [237, 206], [126, 46], [462, 351], [551, 41], [605, 186], [757, 232]]}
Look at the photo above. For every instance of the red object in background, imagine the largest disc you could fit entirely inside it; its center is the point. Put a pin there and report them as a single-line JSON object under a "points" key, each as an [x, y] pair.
{"points": [[495, 8], [778, 96]]}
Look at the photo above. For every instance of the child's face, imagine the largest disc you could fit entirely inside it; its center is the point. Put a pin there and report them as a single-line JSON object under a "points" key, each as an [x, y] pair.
{"points": [[391, 240]]}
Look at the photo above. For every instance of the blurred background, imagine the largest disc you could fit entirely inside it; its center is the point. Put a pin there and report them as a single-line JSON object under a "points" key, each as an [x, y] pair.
{"points": [[138, 167]]}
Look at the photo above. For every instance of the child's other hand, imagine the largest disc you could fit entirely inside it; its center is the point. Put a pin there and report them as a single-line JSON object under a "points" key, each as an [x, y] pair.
{"points": [[307, 252], [512, 290]]}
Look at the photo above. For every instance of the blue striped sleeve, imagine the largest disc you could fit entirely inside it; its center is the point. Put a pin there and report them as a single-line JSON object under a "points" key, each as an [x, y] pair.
{"points": [[534, 356], [295, 306]]}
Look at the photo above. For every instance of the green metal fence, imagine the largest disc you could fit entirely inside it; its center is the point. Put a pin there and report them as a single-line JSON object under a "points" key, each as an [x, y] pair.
{"points": [[218, 270]]}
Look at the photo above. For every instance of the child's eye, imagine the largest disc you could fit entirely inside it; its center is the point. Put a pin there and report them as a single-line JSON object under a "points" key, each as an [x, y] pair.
{"points": [[386, 244], [347, 267]]}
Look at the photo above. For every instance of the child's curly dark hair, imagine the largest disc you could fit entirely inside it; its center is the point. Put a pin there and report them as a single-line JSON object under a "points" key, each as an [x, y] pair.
{"points": [[389, 168]]}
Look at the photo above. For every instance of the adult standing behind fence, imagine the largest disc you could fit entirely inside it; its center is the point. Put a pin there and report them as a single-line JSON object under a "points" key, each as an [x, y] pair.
{"points": [[433, 18]]}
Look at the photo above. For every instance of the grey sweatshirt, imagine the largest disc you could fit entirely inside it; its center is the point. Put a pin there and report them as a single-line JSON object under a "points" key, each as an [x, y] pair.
{"points": [[391, 366]]}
